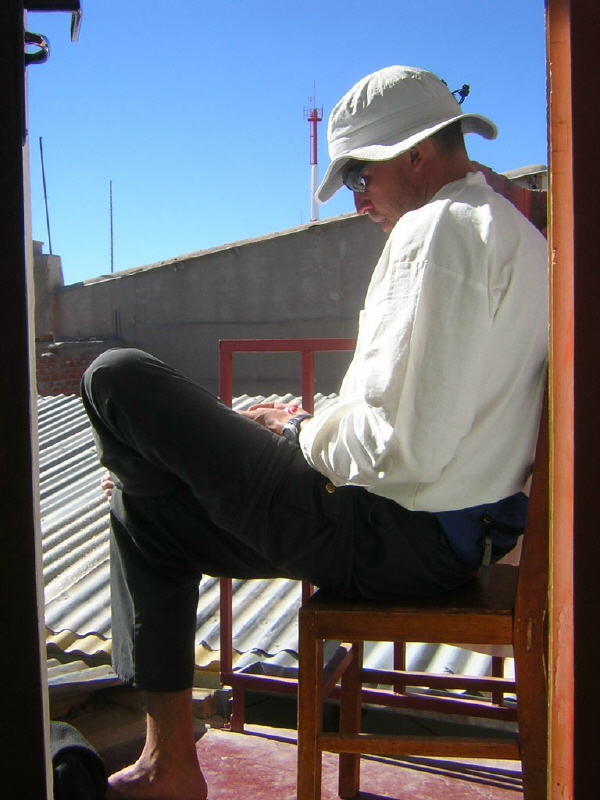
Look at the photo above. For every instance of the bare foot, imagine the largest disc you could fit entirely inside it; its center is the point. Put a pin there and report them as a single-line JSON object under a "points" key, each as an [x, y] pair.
{"points": [[144, 781]]}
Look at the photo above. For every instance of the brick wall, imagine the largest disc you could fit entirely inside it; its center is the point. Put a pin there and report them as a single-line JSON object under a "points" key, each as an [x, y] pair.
{"points": [[60, 365]]}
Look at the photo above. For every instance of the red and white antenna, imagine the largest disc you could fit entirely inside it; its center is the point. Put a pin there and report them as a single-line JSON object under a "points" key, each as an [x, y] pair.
{"points": [[314, 115]]}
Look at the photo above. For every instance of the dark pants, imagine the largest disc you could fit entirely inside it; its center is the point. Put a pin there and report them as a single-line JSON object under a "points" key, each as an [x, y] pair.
{"points": [[201, 489]]}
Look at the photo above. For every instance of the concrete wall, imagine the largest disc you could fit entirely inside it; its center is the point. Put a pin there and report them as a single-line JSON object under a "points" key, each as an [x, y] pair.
{"points": [[48, 277], [306, 282]]}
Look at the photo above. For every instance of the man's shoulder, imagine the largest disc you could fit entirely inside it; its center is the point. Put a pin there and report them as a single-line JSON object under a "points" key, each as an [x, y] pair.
{"points": [[466, 221], [473, 202], [455, 209]]}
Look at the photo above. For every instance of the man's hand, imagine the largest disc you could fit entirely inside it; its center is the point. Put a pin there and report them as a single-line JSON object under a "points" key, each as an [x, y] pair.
{"points": [[107, 485], [272, 416]]}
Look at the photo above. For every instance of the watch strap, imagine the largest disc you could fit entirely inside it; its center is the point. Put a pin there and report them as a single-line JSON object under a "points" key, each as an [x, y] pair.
{"points": [[291, 429]]}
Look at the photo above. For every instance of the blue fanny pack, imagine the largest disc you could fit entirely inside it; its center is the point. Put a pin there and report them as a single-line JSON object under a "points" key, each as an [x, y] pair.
{"points": [[485, 533]]}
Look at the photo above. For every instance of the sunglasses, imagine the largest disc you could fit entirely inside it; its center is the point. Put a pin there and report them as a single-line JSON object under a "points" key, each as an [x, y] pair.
{"points": [[353, 179]]}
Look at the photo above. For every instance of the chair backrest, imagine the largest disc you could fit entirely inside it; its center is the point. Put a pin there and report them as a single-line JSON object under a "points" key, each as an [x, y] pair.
{"points": [[532, 204], [532, 585]]}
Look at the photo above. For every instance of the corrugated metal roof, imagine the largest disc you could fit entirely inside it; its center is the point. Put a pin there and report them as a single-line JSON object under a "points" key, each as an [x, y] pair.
{"points": [[76, 573], [74, 519]]}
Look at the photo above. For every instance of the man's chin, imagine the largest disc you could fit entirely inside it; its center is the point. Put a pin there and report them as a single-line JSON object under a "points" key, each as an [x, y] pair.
{"points": [[386, 224]]}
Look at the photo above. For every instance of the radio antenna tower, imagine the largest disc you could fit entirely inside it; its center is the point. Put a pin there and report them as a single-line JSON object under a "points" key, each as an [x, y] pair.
{"points": [[314, 115]]}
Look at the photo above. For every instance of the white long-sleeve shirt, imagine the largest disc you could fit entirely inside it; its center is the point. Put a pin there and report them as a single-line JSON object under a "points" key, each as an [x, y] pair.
{"points": [[440, 405]]}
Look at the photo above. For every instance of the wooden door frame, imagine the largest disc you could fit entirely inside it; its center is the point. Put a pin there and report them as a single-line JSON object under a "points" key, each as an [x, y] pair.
{"points": [[573, 28], [24, 755]]}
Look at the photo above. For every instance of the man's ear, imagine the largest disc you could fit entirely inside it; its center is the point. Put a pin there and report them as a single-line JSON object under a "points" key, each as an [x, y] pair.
{"points": [[415, 155], [418, 153]]}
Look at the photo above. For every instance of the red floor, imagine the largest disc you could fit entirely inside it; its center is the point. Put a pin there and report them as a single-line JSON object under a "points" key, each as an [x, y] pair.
{"points": [[261, 763]]}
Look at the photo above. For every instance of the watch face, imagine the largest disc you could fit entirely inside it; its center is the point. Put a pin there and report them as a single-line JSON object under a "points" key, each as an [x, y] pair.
{"points": [[290, 432], [291, 429]]}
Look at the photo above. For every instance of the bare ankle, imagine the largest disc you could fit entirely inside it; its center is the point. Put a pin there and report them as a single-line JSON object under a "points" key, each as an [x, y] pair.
{"points": [[168, 767]]}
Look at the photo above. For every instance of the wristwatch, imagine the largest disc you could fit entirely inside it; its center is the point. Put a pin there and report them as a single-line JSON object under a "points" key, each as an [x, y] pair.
{"points": [[291, 429]]}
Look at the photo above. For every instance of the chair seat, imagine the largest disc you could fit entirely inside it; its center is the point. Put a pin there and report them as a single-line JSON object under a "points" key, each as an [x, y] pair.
{"points": [[475, 613]]}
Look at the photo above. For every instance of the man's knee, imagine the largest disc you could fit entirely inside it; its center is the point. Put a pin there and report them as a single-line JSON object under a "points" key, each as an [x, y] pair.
{"points": [[112, 368]]}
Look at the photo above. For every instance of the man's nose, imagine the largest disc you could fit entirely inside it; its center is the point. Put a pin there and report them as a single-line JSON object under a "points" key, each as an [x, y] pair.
{"points": [[361, 204]]}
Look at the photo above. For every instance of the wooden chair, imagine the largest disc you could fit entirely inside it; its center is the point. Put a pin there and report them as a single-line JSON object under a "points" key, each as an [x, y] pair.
{"points": [[510, 609]]}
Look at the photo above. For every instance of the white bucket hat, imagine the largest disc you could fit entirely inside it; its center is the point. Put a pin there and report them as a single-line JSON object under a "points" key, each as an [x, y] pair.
{"points": [[387, 113]]}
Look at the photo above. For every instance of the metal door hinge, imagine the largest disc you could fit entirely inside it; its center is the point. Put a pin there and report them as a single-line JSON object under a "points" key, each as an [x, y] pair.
{"points": [[42, 54]]}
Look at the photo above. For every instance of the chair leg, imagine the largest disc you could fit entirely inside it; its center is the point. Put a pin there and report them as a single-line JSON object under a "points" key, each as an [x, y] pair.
{"points": [[310, 710], [498, 672], [350, 715], [238, 710], [532, 714], [399, 664]]}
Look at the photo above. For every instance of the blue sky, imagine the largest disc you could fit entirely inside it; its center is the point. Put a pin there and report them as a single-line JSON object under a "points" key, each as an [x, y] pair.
{"points": [[194, 110]]}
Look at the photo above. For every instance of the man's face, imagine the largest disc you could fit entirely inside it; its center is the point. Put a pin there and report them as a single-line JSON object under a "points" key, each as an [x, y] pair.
{"points": [[391, 189]]}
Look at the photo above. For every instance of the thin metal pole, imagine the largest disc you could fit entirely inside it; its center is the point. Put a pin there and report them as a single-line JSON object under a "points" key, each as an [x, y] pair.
{"points": [[112, 262], [45, 197]]}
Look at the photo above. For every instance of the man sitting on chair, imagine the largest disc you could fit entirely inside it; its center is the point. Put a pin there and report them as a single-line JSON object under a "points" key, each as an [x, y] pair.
{"points": [[402, 486]]}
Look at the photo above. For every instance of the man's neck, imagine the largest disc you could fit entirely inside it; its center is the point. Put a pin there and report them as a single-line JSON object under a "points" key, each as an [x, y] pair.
{"points": [[444, 170]]}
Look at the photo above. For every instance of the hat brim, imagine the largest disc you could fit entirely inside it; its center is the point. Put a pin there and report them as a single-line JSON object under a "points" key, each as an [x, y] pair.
{"points": [[471, 123]]}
